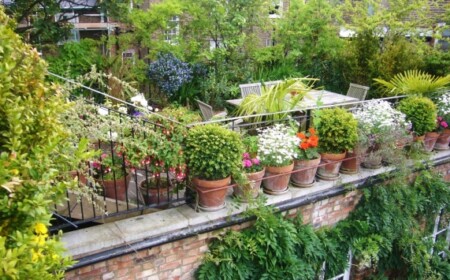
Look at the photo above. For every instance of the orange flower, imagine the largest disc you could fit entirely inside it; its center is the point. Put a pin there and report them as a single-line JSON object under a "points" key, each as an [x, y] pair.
{"points": [[301, 135], [312, 131], [304, 145], [314, 140]]}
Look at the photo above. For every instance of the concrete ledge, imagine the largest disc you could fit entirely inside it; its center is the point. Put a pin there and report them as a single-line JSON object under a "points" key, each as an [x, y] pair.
{"points": [[114, 239]]}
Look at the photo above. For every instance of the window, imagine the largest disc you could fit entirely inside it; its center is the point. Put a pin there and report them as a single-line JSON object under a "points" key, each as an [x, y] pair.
{"points": [[173, 30], [275, 8], [128, 54]]}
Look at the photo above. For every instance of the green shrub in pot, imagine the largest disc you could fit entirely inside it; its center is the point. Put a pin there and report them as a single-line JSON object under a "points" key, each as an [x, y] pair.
{"points": [[421, 112], [213, 152], [337, 129]]}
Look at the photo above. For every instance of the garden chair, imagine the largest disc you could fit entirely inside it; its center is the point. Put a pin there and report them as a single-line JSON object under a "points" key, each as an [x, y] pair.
{"points": [[271, 83], [357, 91], [207, 111], [247, 89]]}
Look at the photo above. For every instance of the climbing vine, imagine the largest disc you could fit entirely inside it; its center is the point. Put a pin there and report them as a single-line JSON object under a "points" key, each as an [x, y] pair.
{"points": [[388, 233]]}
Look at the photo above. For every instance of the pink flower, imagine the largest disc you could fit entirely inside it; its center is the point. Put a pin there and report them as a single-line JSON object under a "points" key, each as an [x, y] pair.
{"points": [[247, 163], [246, 156], [444, 124], [103, 156], [255, 161]]}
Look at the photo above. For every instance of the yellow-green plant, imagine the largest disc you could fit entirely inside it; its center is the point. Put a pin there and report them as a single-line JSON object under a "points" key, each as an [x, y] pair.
{"points": [[276, 99], [35, 157], [413, 82], [421, 112]]}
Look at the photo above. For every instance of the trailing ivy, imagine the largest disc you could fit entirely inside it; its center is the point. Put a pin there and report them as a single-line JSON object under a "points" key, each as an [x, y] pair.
{"points": [[388, 233]]}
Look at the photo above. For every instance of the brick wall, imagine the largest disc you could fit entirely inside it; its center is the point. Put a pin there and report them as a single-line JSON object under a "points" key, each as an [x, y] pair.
{"points": [[180, 259]]}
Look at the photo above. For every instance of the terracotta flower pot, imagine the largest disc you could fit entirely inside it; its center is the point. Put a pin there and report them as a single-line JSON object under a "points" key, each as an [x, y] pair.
{"points": [[430, 140], [116, 189], [279, 184], [333, 162], [352, 162], [443, 141], [211, 193], [252, 190], [155, 195], [305, 177]]}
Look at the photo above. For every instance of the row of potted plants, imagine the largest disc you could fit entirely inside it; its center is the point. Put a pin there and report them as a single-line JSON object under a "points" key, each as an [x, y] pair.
{"points": [[371, 134]]}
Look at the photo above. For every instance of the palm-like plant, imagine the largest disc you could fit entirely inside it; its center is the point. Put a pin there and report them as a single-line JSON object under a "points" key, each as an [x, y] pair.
{"points": [[413, 82], [276, 99]]}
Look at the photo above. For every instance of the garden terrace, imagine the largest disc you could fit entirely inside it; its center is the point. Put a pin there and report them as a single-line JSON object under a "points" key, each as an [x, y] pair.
{"points": [[103, 204]]}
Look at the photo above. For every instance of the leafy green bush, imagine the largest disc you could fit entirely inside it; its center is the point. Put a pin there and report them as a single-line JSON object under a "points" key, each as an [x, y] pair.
{"points": [[35, 157], [213, 152], [337, 129], [421, 112]]}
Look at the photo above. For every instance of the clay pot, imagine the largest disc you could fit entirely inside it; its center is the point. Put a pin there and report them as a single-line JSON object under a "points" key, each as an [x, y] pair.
{"points": [[211, 193], [251, 190], [332, 163], [279, 184], [430, 140], [443, 141], [305, 177], [156, 195], [116, 189], [352, 162]]}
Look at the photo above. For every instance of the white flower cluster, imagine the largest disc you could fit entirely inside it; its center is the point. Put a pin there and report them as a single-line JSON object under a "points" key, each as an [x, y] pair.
{"points": [[443, 104], [378, 116], [277, 145], [141, 101]]}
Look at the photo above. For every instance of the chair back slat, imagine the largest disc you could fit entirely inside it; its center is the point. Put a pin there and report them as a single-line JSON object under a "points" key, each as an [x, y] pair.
{"points": [[357, 91], [271, 83], [207, 111], [247, 89]]}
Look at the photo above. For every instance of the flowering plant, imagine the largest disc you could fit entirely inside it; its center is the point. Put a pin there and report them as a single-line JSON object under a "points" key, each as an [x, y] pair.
{"points": [[110, 165], [277, 145], [443, 104], [377, 120], [250, 164], [441, 124], [170, 73], [307, 149]]}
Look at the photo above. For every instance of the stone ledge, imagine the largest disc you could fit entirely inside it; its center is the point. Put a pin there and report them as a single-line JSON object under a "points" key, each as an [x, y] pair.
{"points": [[177, 223]]}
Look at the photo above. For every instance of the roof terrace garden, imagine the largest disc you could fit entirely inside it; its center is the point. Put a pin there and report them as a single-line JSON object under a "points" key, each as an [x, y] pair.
{"points": [[190, 151]]}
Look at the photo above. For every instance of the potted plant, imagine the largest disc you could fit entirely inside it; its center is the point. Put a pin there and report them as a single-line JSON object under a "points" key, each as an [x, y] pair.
{"points": [[443, 105], [110, 172], [213, 154], [337, 130], [422, 114], [382, 126], [276, 148], [277, 99], [254, 171], [306, 160]]}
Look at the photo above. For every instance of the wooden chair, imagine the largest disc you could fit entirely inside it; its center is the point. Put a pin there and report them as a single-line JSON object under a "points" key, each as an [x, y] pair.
{"points": [[357, 91], [247, 89], [207, 111]]}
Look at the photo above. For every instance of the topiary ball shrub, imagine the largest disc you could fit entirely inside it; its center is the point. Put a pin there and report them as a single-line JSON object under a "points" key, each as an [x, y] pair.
{"points": [[337, 130], [421, 112], [213, 152]]}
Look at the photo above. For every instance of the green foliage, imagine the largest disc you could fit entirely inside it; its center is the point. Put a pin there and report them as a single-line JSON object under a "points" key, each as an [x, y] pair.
{"points": [[437, 62], [337, 130], [282, 97], [213, 152], [76, 58], [35, 157], [421, 112], [181, 114], [271, 249], [251, 145], [414, 82]]}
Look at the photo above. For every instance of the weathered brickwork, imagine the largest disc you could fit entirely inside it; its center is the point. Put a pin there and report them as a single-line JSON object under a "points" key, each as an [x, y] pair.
{"points": [[180, 259]]}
